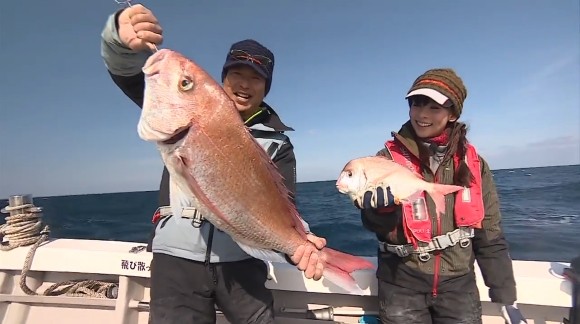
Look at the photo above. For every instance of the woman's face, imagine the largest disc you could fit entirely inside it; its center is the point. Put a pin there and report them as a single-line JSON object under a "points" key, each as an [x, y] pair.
{"points": [[428, 118]]}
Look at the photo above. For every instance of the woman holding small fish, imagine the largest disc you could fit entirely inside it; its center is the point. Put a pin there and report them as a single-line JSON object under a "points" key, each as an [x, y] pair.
{"points": [[432, 203]]}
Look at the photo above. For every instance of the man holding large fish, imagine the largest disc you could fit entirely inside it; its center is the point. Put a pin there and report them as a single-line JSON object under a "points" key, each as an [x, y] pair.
{"points": [[432, 203], [231, 172]]}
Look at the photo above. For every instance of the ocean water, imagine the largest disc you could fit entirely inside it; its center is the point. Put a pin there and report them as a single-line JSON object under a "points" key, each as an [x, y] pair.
{"points": [[540, 209]]}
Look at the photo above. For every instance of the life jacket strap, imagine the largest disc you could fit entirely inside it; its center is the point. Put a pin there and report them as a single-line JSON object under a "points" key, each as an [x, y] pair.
{"points": [[462, 235], [186, 212]]}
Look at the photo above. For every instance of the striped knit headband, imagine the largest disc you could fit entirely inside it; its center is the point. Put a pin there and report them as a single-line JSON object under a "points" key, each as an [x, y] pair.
{"points": [[446, 82]]}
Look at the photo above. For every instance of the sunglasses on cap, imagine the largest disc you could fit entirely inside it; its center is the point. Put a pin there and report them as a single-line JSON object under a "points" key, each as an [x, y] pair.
{"points": [[240, 55]]}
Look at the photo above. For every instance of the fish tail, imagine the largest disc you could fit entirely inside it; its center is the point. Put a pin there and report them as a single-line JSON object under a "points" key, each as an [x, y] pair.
{"points": [[339, 267], [438, 192]]}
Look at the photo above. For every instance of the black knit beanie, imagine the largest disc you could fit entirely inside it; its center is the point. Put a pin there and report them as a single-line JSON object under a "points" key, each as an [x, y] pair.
{"points": [[445, 81], [253, 54]]}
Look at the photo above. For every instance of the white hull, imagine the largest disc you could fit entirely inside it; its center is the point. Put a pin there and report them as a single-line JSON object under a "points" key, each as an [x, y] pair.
{"points": [[544, 296]]}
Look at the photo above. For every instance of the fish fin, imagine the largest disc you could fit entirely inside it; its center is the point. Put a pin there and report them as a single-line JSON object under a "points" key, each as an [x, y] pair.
{"points": [[438, 192], [340, 265], [181, 166], [412, 197], [279, 181], [342, 280], [263, 254]]}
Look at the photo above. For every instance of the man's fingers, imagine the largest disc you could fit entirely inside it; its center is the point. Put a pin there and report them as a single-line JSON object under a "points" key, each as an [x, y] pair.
{"points": [[307, 259], [139, 29], [319, 271], [136, 14], [150, 37], [137, 44], [319, 242], [304, 260], [148, 26], [143, 17], [311, 268], [297, 256], [137, 10]]}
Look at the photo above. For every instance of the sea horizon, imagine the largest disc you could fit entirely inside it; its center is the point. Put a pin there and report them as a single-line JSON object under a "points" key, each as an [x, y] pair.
{"points": [[298, 182]]}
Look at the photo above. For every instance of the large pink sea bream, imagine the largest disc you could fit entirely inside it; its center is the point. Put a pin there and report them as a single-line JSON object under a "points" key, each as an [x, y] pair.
{"points": [[217, 165]]}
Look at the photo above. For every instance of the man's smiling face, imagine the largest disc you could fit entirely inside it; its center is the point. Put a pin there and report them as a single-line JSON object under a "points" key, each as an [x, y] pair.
{"points": [[246, 87]]}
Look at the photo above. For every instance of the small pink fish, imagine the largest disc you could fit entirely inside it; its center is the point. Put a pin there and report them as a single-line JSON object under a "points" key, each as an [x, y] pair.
{"points": [[367, 173], [218, 167]]}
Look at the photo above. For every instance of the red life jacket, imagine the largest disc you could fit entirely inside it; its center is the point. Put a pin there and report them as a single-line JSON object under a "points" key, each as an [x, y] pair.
{"points": [[468, 210]]}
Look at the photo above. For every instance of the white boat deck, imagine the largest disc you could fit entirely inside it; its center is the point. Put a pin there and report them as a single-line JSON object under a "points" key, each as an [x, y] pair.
{"points": [[544, 295]]}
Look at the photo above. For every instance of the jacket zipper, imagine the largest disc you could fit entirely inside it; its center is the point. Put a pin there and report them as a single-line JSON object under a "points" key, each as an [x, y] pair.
{"points": [[437, 261], [437, 253]]}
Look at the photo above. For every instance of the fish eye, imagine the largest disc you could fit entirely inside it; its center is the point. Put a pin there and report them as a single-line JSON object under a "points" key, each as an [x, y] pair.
{"points": [[185, 84], [349, 173]]}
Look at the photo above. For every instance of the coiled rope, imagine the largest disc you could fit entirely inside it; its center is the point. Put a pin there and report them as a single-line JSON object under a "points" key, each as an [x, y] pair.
{"points": [[23, 228]]}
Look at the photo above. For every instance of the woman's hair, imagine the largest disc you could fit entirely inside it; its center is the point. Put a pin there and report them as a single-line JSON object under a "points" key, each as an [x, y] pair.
{"points": [[456, 146]]}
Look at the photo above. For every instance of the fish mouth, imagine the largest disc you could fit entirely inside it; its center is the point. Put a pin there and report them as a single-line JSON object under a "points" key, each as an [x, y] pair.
{"points": [[177, 137], [152, 65], [151, 134], [341, 189]]}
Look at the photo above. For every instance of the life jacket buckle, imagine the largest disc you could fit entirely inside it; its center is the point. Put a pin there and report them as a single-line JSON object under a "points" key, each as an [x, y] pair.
{"points": [[197, 218], [196, 222], [424, 257], [402, 251], [464, 242], [442, 242]]}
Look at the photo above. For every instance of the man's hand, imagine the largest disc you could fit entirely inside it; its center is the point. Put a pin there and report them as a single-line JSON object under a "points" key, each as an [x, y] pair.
{"points": [[306, 257], [512, 314], [139, 29]]}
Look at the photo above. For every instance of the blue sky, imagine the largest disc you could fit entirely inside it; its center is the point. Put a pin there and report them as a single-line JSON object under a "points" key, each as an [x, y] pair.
{"points": [[342, 71]]}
